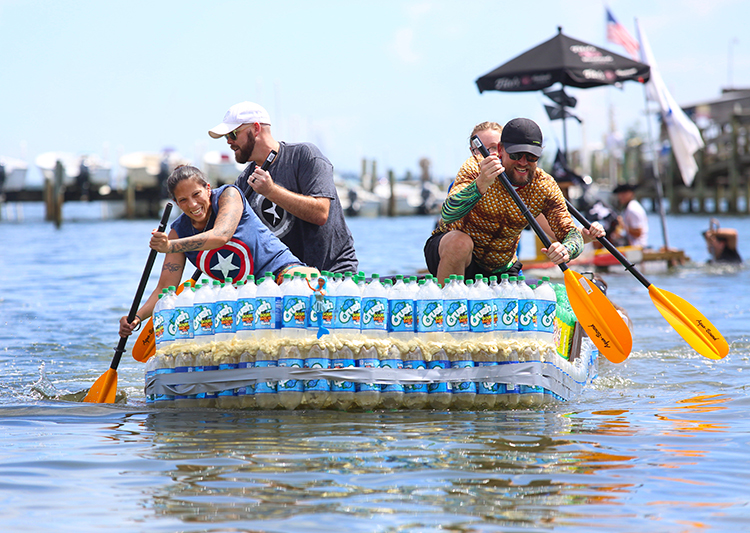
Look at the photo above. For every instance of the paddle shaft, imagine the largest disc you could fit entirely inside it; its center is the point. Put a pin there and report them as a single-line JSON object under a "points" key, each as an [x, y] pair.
{"points": [[479, 145], [611, 248], [141, 288]]}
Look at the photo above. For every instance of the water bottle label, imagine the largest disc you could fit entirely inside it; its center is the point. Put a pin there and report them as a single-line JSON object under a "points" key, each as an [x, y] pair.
{"points": [[183, 323], [203, 321], [395, 364], [342, 386], [456, 316], [480, 316], [508, 314], [294, 314], [419, 387], [224, 319], [322, 307], [440, 387], [290, 385], [347, 312], [546, 316], [368, 363], [402, 315], [159, 327], [266, 313], [527, 315], [462, 387], [374, 314], [207, 369], [228, 366], [317, 384], [247, 390], [163, 397], [484, 387], [265, 387], [429, 316], [245, 314]]}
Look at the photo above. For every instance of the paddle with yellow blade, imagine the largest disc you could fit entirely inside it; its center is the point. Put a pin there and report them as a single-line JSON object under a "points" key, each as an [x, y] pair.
{"points": [[594, 311], [692, 326], [145, 346], [105, 388]]}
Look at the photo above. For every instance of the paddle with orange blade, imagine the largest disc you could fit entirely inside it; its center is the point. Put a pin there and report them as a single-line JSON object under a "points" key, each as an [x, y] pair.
{"points": [[105, 388], [145, 346], [692, 326], [596, 314]]}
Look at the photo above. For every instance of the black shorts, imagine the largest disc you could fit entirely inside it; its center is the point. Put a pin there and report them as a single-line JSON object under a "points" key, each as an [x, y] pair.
{"points": [[432, 257]]}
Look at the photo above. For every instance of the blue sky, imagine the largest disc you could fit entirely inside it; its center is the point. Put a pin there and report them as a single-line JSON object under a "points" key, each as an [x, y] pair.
{"points": [[390, 81]]}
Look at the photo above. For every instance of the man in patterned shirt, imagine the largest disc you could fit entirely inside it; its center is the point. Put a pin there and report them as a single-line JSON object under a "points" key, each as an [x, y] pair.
{"points": [[480, 225]]}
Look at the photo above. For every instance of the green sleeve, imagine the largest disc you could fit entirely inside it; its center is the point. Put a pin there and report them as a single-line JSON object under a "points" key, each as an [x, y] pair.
{"points": [[458, 205], [573, 241]]}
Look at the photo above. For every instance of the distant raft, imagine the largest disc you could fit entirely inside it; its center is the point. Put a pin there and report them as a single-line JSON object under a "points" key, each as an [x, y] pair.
{"points": [[364, 374]]}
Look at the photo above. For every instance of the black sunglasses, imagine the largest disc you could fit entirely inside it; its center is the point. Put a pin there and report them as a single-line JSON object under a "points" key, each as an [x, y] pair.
{"points": [[233, 134], [518, 155]]}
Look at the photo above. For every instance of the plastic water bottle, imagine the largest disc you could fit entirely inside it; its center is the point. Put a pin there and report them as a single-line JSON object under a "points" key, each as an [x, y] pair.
{"points": [[246, 308], [507, 309], [455, 309], [392, 395], [166, 315], [480, 308], [295, 300], [158, 320], [268, 307], [347, 307], [290, 390], [203, 314], [547, 305], [527, 310], [225, 307], [342, 392], [440, 393], [401, 310], [316, 391], [415, 395], [183, 314], [374, 314], [367, 395], [429, 312]]}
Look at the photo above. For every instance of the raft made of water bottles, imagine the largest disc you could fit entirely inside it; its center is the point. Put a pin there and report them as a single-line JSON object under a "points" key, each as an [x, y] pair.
{"points": [[361, 344]]}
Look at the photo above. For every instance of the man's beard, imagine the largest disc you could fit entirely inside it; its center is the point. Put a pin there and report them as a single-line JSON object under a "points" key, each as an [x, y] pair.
{"points": [[517, 181], [243, 155]]}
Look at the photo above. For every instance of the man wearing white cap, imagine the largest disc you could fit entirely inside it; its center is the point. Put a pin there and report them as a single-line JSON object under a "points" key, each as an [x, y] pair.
{"points": [[296, 198]]}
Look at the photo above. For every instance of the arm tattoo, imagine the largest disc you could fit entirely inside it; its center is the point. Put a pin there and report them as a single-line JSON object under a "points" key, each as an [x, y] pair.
{"points": [[171, 267], [187, 244]]}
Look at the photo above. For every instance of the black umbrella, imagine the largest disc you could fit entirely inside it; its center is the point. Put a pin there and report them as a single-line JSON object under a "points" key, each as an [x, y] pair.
{"points": [[563, 60]]}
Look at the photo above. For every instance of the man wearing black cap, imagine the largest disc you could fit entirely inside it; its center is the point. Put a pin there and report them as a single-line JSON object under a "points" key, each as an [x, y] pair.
{"points": [[480, 225], [633, 219]]}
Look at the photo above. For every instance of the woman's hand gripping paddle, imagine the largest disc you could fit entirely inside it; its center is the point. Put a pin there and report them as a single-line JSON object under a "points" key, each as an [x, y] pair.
{"points": [[692, 326], [105, 388], [145, 346], [596, 314]]}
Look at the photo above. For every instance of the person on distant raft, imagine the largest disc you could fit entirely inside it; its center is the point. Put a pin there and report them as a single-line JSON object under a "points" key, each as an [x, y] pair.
{"points": [[219, 234], [480, 226], [633, 220], [721, 243], [296, 198]]}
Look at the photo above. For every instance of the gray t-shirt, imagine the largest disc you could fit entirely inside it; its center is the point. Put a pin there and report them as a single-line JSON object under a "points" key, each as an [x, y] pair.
{"points": [[303, 169]]}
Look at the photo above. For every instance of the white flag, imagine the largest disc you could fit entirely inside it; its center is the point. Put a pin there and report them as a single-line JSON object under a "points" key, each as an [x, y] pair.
{"points": [[684, 135]]}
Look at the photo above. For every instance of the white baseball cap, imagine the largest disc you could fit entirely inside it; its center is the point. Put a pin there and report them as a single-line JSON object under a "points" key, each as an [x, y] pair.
{"points": [[239, 114]]}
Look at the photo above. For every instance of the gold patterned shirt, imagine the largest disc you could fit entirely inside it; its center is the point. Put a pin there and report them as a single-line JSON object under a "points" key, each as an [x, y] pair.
{"points": [[494, 221]]}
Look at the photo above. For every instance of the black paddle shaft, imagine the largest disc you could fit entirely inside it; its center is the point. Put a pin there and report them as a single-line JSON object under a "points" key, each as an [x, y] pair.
{"points": [[479, 145], [141, 288], [611, 248]]}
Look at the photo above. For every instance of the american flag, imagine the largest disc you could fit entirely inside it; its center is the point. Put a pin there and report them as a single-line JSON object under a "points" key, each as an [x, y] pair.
{"points": [[616, 33]]}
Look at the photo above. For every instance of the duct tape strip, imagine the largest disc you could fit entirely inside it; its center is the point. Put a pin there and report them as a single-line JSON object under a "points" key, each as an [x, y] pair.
{"points": [[531, 373]]}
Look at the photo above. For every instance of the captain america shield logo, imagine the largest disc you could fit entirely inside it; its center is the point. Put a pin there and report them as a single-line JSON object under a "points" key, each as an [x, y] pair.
{"points": [[233, 260]]}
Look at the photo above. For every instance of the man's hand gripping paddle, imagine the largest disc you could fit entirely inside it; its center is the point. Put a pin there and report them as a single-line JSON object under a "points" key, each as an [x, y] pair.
{"points": [[596, 314]]}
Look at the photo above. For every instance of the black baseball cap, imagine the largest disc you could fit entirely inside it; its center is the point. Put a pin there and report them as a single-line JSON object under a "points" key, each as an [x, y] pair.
{"points": [[522, 135]]}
